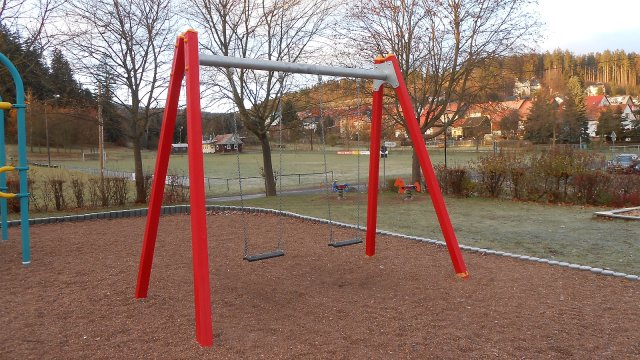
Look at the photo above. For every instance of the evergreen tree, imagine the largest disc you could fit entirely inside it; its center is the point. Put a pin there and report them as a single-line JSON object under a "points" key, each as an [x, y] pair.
{"points": [[541, 122], [291, 121], [29, 62], [510, 123], [62, 82], [574, 125], [609, 121]]}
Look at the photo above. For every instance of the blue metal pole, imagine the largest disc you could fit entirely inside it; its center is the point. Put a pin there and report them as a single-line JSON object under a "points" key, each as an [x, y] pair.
{"points": [[22, 159], [3, 179]]}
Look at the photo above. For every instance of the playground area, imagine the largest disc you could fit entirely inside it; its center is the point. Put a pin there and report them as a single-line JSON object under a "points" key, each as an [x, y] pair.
{"points": [[76, 298]]}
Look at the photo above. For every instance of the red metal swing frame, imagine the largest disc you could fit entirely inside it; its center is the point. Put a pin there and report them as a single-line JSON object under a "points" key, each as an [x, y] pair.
{"points": [[186, 67]]}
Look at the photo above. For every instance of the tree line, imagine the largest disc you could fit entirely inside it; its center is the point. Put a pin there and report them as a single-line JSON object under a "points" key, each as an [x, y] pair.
{"points": [[618, 70]]}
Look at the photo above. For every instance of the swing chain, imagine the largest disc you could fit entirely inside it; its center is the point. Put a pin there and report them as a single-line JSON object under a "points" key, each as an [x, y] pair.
{"points": [[245, 235], [280, 245], [359, 113], [324, 156]]}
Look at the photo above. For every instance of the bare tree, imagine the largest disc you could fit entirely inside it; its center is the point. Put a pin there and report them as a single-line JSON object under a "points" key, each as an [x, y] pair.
{"points": [[445, 48], [29, 18], [280, 30], [128, 42]]}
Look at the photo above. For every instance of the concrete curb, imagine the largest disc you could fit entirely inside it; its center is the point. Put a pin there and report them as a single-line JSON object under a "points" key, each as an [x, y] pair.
{"points": [[185, 209]]}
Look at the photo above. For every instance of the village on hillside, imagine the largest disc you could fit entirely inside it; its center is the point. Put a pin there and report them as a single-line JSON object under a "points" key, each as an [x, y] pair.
{"points": [[491, 121]]}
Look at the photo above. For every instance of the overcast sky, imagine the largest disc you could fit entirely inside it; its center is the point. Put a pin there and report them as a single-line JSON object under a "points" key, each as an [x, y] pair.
{"points": [[583, 26]]}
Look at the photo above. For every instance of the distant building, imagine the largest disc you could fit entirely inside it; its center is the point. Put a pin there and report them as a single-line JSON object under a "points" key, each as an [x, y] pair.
{"points": [[621, 100], [595, 106], [208, 146], [227, 143], [179, 148], [526, 88], [595, 90], [627, 117]]}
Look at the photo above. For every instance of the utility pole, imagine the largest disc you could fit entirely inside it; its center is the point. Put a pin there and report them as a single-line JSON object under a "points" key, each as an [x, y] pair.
{"points": [[100, 133]]}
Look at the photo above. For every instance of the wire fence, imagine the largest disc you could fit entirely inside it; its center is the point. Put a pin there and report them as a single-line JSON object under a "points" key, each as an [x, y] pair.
{"points": [[625, 148], [218, 185]]}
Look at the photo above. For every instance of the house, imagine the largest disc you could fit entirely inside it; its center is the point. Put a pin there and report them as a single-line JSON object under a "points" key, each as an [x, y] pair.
{"points": [[475, 127], [227, 143], [526, 88], [621, 100], [627, 116], [595, 89], [451, 113], [595, 106], [494, 112], [179, 148], [208, 146]]}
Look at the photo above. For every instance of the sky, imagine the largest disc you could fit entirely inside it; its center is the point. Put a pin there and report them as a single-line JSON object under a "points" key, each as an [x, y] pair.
{"points": [[583, 26]]}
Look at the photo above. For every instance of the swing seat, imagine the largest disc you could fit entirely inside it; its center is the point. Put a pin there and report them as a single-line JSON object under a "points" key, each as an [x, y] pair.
{"points": [[264, 256], [342, 243]]}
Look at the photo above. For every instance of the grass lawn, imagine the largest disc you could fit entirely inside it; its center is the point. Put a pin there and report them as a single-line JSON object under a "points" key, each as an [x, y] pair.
{"points": [[568, 233], [219, 167]]}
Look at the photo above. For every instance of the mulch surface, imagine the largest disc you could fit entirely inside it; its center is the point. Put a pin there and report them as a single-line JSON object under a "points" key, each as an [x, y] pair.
{"points": [[76, 298]]}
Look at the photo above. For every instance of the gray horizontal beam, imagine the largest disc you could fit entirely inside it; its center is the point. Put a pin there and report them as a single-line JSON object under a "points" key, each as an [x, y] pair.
{"points": [[268, 65]]}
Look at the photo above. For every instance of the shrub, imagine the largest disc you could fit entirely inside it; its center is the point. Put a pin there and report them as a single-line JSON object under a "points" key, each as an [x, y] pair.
{"points": [[119, 190], [454, 180], [625, 190], [100, 192], [174, 191], [104, 192], [517, 172], [147, 187], [13, 187], [55, 185], [77, 185], [551, 173], [94, 192], [591, 187], [494, 171]]}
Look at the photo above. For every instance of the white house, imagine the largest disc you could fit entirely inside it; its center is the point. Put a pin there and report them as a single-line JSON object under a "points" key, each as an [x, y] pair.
{"points": [[526, 88], [621, 100], [595, 89]]}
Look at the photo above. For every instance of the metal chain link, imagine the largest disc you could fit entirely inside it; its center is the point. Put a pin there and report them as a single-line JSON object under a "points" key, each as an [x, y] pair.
{"points": [[359, 113], [280, 172], [324, 156], [244, 223]]}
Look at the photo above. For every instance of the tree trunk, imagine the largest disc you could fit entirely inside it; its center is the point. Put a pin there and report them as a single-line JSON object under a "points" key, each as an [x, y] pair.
{"points": [[267, 166], [415, 168], [137, 160]]}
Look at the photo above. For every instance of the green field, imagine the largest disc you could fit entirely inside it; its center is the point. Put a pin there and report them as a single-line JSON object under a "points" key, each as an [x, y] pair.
{"points": [[222, 170], [568, 233]]}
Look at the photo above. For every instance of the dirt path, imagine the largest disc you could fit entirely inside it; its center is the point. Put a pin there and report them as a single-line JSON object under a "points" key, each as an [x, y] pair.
{"points": [[76, 299]]}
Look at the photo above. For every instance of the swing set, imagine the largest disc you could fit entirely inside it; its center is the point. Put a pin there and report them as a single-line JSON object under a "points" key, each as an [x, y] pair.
{"points": [[186, 63]]}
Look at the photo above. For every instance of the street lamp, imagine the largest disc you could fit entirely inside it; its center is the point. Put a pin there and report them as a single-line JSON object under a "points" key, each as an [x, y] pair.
{"points": [[46, 128], [180, 136]]}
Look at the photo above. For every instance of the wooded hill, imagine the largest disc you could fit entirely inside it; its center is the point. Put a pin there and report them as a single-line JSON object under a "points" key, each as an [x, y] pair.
{"points": [[618, 70]]}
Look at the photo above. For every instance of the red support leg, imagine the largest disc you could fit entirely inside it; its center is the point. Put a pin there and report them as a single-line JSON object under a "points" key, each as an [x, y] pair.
{"points": [[160, 173], [374, 167], [199, 247], [429, 175]]}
